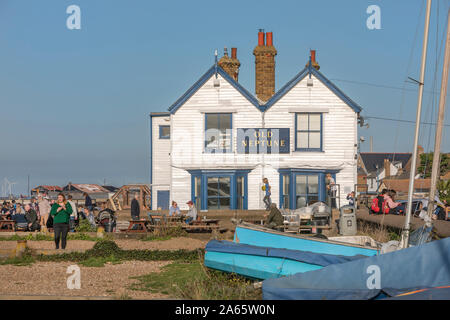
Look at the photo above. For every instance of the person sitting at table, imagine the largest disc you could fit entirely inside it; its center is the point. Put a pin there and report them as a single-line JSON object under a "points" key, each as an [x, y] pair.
{"points": [[32, 218], [192, 213], [5, 212], [174, 209], [394, 207]]}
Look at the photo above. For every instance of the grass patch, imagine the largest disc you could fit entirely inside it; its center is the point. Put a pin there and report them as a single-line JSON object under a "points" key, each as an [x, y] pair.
{"points": [[165, 233], [47, 237], [85, 226], [25, 259], [105, 251], [193, 281], [100, 261]]}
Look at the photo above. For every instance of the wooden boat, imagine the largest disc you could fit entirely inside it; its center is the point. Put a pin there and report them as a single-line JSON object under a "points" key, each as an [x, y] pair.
{"points": [[263, 253]]}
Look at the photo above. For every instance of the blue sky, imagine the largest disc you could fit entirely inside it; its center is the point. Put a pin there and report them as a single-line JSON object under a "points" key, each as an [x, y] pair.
{"points": [[75, 103]]}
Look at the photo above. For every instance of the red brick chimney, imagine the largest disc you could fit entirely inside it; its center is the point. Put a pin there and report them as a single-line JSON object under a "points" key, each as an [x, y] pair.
{"points": [[265, 54], [387, 168], [230, 65], [314, 63]]}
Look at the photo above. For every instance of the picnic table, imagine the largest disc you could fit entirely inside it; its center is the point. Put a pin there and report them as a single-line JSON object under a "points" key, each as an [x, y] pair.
{"points": [[202, 225], [9, 224], [141, 226]]}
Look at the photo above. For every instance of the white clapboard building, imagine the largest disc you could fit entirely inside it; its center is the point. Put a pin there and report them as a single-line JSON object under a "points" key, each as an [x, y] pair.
{"points": [[217, 141]]}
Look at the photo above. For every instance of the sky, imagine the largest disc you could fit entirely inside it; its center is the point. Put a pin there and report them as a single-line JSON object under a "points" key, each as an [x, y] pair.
{"points": [[75, 103]]}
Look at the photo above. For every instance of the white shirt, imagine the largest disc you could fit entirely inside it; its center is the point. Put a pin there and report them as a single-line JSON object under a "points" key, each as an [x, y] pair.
{"points": [[74, 209]]}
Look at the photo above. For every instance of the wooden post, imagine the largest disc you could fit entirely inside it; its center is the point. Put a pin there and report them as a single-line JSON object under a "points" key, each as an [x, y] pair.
{"points": [[440, 121]]}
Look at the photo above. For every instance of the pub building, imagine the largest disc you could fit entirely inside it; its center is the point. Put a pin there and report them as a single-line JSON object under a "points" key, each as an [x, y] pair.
{"points": [[218, 141]]}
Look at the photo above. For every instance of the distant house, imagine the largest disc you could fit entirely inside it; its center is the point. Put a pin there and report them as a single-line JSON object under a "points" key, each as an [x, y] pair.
{"points": [[44, 189], [383, 165], [401, 186], [95, 191]]}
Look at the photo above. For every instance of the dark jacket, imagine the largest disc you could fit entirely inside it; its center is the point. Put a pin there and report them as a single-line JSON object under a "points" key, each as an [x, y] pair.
{"points": [[31, 217], [275, 216], [88, 202], [135, 209]]}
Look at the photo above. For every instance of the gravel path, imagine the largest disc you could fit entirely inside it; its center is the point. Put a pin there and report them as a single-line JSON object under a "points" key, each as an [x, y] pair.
{"points": [[50, 278]]}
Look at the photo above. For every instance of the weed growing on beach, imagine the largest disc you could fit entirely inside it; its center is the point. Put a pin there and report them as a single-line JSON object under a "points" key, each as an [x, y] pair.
{"points": [[85, 226], [193, 281]]}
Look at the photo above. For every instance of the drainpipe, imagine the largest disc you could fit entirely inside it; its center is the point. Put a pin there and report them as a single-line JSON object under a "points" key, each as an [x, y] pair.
{"points": [[263, 124]]}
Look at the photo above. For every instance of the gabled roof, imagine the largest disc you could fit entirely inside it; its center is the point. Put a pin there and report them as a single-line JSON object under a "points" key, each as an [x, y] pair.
{"points": [[88, 188], [373, 159], [211, 72], [309, 69]]}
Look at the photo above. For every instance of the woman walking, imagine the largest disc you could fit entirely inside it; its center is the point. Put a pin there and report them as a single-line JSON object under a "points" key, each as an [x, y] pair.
{"points": [[61, 211]]}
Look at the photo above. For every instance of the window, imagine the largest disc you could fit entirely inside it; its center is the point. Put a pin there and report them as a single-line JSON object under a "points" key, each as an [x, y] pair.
{"points": [[164, 132], [240, 192], [307, 190], [308, 130], [301, 187], [219, 189], [218, 132], [219, 195], [285, 195], [197, 192]]}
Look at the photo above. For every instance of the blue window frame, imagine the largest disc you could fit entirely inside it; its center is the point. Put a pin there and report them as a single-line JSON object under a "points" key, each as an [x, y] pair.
{"points": [[302, 187], [308, 131], [218, 129], [219, 189], [164, 132]]}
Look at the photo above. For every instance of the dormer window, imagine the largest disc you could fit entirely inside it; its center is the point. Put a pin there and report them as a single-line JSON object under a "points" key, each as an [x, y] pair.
{"points": [[308, 131]]}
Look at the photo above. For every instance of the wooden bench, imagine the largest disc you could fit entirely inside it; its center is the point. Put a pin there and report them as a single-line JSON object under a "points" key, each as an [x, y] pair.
{"points": [[204, 225], [9, 224]]}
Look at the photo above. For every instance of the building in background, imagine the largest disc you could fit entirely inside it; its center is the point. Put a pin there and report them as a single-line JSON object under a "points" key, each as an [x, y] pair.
{"points": [[51, 191], [217, 141]]}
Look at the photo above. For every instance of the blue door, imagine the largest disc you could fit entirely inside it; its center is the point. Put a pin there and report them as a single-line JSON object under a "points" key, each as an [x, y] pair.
{"points": [[163, 197]]}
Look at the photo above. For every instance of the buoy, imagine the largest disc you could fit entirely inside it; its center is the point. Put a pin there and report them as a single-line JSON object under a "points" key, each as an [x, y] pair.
{"points": [[100, 232]]}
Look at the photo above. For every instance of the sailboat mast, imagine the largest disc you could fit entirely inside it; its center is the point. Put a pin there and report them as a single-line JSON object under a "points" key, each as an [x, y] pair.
{"points": [[440, 121], [405, 235]]}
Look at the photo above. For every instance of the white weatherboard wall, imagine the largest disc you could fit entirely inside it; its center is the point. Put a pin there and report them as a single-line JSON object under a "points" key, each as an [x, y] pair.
{"points": [[188, 124], [160, 159], [188, 133], [339, 132]]}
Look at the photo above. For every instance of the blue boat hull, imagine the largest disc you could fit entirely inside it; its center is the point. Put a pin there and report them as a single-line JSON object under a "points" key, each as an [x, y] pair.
{"points": [[255, 267], [274, 239], [261, 262]]}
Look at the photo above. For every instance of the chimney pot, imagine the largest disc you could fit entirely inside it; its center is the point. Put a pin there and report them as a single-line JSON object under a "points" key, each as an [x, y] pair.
{"points": [[233, 53], [261, 37], [269, 39], [313, 55]]}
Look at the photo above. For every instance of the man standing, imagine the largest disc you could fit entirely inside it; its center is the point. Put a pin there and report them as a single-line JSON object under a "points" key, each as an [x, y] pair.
{"points": [[74, 214], [192, 213], [331, 190], [88, 202], [44, 208], [135, 208]]}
